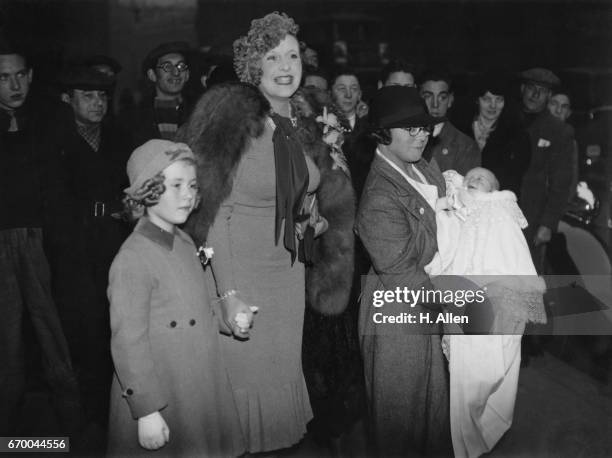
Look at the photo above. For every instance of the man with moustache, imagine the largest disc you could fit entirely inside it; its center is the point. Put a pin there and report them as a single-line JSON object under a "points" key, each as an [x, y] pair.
{"points": [[31, 205], [547, 184], [451, 148], [160, 115], [94, 155]]}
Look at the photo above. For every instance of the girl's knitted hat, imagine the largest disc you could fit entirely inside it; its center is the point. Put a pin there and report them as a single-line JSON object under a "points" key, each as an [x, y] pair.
{"points": [[151, 158]]}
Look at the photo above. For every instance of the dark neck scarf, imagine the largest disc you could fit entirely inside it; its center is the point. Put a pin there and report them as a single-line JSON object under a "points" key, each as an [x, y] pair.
{"points": [[291, 181]]}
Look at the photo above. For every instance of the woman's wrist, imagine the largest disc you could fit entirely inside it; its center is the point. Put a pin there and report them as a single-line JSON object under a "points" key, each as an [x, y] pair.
{"points": [[228, 293]]}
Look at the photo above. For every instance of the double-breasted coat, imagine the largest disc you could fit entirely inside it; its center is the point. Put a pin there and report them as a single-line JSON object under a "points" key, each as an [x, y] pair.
{"points": [[166, 350], [405, 371]]}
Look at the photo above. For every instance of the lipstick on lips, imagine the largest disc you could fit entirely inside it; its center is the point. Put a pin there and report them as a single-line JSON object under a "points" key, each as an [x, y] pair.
{"points": [[285, 79]]}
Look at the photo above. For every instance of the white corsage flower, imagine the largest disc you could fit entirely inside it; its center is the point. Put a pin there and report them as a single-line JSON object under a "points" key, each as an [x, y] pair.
{"points": [[205, 253]]}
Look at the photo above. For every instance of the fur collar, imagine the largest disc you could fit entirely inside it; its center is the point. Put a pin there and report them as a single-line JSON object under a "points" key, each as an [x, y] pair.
{"points": [[218, 132]]}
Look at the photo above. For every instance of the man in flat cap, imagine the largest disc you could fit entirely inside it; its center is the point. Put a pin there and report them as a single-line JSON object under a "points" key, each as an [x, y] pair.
{"points": [[31, 197], [95, 152], [536, 88], [160, 115], [547, 184]]}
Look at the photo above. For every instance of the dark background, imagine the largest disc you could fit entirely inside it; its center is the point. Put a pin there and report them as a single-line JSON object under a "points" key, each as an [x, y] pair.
{"points": [[468, 36]]}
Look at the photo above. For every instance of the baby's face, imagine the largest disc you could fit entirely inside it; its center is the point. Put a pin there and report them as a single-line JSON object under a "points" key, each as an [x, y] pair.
{"points": [[480, 179]]}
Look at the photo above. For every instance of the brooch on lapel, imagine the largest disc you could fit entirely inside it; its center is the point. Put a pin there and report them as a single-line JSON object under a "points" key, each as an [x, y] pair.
{"points": [[205, 254]]}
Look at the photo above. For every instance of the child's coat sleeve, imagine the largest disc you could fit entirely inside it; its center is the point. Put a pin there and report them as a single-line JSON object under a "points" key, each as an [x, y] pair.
{"points": [[130, 288]]}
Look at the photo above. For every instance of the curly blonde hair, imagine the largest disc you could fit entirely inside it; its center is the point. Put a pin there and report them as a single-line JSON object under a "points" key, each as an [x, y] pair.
{"points": [[265, 34]]}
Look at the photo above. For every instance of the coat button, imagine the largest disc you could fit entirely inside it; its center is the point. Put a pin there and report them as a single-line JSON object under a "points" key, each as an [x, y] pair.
{"points": [[192, 322], [129, 392], [173, 324], [422, 211], [445, 151]]}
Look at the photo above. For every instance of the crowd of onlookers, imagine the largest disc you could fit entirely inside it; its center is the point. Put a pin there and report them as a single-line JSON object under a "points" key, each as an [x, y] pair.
{"points": [[63, 175]]}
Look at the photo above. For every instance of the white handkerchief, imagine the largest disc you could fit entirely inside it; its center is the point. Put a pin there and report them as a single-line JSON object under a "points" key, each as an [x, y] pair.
{"points": [[543, 143]]}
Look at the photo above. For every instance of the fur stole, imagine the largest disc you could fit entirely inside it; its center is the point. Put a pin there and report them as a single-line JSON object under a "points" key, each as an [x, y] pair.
{"points": [[219, 130], [330, 277]]}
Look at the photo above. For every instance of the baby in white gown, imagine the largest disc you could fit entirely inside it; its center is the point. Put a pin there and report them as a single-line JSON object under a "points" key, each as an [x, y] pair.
{"points": [[480, 237]]}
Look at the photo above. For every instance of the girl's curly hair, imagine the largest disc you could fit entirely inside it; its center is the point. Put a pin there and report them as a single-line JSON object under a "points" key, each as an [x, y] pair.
{"points": [[135, 205], [265, 34]]}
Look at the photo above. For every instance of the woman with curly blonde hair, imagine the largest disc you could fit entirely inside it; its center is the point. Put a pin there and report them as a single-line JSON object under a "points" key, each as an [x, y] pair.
{"points": [[258, 178]]}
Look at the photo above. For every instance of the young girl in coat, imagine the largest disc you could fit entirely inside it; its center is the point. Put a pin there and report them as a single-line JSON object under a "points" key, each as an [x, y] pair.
{"points": [[479, 230], [170, 388]]}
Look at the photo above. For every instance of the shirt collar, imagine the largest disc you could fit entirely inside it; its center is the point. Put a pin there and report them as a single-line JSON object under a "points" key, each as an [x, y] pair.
{"points": [[155, 233], [352, 120]]}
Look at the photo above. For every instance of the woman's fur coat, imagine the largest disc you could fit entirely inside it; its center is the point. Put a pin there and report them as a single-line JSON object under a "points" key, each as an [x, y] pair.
{"points": [[219, 131]]}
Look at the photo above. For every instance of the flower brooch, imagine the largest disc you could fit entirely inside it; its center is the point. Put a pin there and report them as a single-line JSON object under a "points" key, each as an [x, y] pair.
{"points": [[205, 254]]}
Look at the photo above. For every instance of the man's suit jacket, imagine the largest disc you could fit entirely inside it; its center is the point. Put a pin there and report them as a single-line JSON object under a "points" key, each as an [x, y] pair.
{"points": [[359, 150], [547, 184], [453, 150]]}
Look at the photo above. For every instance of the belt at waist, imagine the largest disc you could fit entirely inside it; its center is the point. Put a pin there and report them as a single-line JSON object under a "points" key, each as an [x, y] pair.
{"points": [[99, 208]]}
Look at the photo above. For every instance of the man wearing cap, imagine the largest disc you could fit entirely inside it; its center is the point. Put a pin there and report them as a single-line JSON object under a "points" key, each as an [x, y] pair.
{"points": [[160, 116], [94, 156], [547, 184], [451, 148], [31, 197], [405, 370], [111, 68]]}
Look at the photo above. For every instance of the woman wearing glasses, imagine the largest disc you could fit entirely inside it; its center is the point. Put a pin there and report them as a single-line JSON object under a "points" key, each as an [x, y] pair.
{"points": [[406, 380]]}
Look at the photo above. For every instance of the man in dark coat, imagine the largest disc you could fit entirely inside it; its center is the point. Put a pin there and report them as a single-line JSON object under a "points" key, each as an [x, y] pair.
{"points": [[547, 184], [451, 148], [94, 156], [31, 200]]}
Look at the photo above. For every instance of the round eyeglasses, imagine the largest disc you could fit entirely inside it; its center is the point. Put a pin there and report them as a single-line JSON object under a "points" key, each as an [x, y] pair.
{"points": [[169, 67], [414, 131]]}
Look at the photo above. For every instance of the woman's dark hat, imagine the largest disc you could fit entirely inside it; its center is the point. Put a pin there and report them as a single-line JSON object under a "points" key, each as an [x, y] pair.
{"points": [[400, 106]]}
